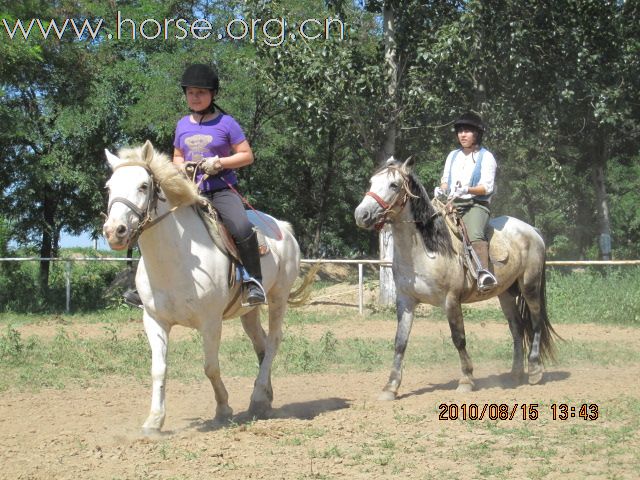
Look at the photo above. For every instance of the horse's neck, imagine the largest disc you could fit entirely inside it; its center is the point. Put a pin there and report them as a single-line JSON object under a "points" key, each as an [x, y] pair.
{"points": [[176, 241], [408, 244]]}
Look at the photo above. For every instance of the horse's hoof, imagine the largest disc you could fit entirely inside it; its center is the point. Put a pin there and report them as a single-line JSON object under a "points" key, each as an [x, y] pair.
{"points": [[465, 385], [464, 388], [153, 424], [223, 415], [387, 396], [259, 409], [150, 432], [518, 377], [535, 373], [535, 378]]}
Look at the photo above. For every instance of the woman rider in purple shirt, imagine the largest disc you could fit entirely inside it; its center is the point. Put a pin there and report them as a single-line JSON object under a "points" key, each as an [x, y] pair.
{"points": [[211, 136]]}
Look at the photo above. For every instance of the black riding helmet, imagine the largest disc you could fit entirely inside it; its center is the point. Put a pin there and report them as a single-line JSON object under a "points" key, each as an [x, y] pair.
{"points": [[473, 120], [201, 76]]}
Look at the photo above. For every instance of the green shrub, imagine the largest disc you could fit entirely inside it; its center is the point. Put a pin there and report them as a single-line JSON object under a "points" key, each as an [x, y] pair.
{"points": [[91, 282]]}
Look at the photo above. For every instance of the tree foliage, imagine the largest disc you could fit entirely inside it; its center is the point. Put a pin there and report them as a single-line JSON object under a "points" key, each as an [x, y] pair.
{"points": [[557, 82]]}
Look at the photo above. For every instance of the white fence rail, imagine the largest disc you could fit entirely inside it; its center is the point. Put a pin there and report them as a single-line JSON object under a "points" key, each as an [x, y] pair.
{"points": [[360, 263]]}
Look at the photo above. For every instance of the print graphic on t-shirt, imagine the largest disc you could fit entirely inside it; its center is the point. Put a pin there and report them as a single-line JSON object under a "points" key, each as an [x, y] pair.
{"points": [[198, 146]]}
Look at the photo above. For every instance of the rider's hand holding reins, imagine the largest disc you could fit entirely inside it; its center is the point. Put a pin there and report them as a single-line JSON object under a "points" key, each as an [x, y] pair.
{"points": [[458, 192], [212, 165]]}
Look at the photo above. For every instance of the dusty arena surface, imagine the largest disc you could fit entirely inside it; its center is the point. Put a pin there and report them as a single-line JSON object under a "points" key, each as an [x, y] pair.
{"points": [[330, 426]]}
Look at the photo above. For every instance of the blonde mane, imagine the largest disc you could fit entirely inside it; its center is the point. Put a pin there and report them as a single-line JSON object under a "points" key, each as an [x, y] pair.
{"points": [[179, 190]]}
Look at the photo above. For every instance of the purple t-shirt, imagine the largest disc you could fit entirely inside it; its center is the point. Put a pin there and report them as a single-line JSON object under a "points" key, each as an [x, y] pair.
{"points": [[208, 139]]}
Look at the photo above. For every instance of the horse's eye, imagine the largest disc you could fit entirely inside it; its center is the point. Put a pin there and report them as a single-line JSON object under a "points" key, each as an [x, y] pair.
{"points": [[394, 186], [144, 187]]}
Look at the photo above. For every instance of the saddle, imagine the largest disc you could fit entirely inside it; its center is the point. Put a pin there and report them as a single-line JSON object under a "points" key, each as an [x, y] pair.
{"points": [[498, 249], [221, 236], [264, 225]]}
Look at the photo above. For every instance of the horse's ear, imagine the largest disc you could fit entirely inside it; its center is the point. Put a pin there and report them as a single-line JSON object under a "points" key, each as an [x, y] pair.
{"points": [[391, 161], [147, 152], [409, 163], [112, 159]]}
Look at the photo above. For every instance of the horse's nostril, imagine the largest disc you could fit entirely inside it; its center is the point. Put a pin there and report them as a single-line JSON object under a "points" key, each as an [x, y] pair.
{"points": [[121, 230]]}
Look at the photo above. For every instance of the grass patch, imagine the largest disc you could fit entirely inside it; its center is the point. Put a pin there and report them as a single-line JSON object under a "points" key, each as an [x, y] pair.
{"points": [[119, 315], [606, 295], [65, 359]]}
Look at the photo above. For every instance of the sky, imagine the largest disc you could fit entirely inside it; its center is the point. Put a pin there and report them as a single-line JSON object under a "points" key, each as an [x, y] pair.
{"points": [[84, 240]]}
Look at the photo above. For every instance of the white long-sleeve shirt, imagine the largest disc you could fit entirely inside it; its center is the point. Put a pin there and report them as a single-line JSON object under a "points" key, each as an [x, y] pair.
{"points": [[463, 167]]}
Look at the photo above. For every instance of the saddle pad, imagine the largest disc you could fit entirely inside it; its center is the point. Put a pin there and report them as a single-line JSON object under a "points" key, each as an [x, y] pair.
{"points": [[265, 224], [498, 247]]}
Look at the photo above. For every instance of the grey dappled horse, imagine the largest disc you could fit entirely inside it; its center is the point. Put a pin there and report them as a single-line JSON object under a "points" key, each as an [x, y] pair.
{"points": [[427, 269]]}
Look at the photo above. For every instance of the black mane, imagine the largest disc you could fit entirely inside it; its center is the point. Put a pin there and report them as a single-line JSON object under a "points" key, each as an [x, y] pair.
{"points": [[432, 227]]}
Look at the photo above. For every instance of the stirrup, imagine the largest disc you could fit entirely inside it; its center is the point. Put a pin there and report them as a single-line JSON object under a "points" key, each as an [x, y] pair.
{"points": [[259, 298], [486, 281]]}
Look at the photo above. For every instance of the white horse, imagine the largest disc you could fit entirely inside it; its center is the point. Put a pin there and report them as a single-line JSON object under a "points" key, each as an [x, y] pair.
{"points": [[427, 269], [183, 278]]}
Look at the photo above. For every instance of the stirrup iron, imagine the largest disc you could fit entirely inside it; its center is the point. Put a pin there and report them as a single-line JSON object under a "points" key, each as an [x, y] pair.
{"points": [[486, 280], [249, 282]]}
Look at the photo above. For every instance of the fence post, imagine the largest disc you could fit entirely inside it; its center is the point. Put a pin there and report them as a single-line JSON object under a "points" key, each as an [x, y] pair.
{"points": [[67, 277], [360, 289]]}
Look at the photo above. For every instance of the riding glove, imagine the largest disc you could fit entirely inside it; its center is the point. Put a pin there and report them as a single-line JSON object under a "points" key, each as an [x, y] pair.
{"points": [[212, 165]]}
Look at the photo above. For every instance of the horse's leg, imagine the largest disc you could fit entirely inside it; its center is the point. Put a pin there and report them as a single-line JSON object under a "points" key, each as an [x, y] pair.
{"points": [[255, 332], [405, 307], [531, 291], [510, 310], [211, 334], [262, 395], [158, 338], [453, 309]]}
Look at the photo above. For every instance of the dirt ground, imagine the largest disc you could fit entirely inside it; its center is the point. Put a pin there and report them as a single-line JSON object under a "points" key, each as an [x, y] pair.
{"points": [[332, 425]]}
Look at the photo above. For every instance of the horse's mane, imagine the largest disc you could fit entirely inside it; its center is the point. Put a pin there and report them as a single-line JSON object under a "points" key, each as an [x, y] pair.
{"points": [[432, 227], [178, 189]]}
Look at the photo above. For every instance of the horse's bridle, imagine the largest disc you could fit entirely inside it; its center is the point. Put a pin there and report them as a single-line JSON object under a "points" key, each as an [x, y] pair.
{"points": [[389, 208], [145, 220]]}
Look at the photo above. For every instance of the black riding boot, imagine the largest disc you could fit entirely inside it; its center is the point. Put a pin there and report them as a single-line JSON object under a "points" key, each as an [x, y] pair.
{"points": [[132, 298], [250, 256]]}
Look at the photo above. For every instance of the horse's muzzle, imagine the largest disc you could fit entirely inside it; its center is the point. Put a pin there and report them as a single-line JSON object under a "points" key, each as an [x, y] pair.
{"points": [[117, 234], [364, 219]]}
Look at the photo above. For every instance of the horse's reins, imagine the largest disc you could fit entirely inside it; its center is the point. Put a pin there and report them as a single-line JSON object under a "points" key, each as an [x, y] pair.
{"points": [[143, 214]]}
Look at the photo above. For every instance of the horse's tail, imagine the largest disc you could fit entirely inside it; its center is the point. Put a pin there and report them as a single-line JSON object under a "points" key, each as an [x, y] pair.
{"points": [[301, 295], [547, 334]]}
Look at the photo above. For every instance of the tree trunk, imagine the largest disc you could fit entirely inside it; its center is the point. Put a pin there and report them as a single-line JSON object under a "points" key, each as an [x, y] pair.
{"points": [[391, 66], [387, 285], [48, 230], [604, 220], [327, 182]]}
